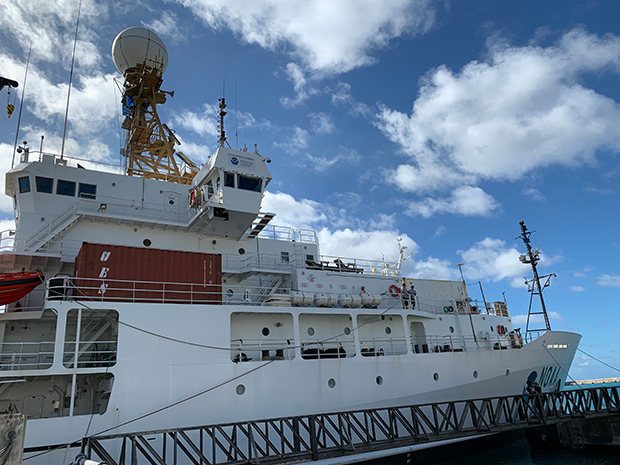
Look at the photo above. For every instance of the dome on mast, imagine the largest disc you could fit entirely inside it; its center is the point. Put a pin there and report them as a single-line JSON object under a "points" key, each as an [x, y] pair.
{"points": [[137, 45]]}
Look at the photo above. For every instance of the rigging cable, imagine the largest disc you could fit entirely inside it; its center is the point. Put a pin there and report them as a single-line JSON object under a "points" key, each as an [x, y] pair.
{"points": [[21, 106], [600, 361]]}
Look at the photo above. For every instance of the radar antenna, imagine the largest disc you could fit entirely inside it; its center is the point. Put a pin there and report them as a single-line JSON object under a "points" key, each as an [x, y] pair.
{"points": [[534, 285], [142, 58]]}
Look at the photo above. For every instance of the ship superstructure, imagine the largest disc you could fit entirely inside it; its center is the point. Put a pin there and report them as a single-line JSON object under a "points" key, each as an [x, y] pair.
{"points": [[168, 304]]}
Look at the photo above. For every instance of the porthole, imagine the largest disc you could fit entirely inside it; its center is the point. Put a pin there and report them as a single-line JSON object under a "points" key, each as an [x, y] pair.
{"points": [[347, 330], [331, 382], [265, 331], [492, 329], [379, 380], [436, 376], [230, 292], [147, 242], [241, 251], [388, 330], [451, 329], [507, 372], [475, 374], [310, 331], [240, 389]]}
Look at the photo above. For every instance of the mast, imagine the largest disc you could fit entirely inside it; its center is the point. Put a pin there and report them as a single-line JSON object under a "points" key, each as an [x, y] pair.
{"points": [[532, 257]]}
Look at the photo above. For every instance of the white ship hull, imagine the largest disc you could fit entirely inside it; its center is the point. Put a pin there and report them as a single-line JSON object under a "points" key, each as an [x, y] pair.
{"points": [[152, 373]]}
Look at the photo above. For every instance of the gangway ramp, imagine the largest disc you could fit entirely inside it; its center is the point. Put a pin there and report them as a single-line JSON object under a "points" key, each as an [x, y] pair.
{"points": [[321, 436]]}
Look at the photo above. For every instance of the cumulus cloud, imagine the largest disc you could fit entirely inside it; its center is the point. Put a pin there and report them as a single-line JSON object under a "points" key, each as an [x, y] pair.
{"points": [[465, 200], [321, 123], [298, 139], [491, 259], [167, 26], [321, 163], [499, 119], [325, 37], [609, 280], [533, 194], [50, 28]]}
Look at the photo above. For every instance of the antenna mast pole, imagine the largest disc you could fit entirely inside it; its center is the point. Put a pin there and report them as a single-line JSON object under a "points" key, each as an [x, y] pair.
{"points": [[222, 113], [532, 257]]}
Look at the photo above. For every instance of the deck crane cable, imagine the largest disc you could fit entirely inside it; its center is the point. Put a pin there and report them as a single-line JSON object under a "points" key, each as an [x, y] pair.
{"points": [[600, 361], [561, 367]]}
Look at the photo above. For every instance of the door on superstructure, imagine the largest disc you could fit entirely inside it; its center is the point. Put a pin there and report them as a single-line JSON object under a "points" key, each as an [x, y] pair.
{"points": [[418, 337]]}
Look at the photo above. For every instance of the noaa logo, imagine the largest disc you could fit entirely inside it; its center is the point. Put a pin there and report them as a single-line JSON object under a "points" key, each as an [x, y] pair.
{"points": [[234, 160]]}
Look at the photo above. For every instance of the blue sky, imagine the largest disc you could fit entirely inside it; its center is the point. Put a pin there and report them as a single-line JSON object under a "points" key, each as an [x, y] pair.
{"points": [[444, 123]]}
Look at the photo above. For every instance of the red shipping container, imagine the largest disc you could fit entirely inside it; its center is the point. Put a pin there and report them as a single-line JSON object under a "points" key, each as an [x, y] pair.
{"points": [[114, 272]]}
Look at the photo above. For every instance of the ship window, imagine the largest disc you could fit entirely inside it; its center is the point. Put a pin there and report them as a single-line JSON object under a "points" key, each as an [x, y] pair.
{"points": [[284, 256], [24, 185], [249, 184], [87, 191], [65, 188], [309, 257], [44, 184], [229, 180]]}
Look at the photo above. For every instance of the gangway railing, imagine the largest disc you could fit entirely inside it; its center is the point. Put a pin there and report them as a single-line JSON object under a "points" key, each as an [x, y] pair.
{"points": [[327, 435]]}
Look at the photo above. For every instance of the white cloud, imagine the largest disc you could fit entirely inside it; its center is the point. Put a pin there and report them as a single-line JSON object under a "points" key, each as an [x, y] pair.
{"points": [[203, 123], [342, 96], [321, 123], [440, 231], [598, 190], [167, 26], [534, 194], [522, 109], [299, 140], [577, 288], [327, 37], [304, 213], [465, 200], [609, 280], [322, 163], [50, 28], [492, 259]]}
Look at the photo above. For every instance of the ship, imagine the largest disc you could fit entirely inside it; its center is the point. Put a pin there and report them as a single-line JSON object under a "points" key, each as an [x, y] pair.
{"points": [[170, 299]]}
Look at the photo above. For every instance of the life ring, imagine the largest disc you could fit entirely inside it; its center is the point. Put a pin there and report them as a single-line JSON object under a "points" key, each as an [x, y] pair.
{"points": [[192, 198], [500, 330], [394, 290]]}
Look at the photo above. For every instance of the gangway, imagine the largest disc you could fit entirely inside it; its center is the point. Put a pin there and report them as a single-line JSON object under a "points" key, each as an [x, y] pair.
{"points": [[322, 436]]}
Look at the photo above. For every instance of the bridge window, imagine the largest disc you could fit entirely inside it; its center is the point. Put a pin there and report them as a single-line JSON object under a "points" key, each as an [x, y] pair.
{"points": [[284, 256], [87, 191], [249, 184], [229, 180], [44, 184], [65, 188], [24, 185]]}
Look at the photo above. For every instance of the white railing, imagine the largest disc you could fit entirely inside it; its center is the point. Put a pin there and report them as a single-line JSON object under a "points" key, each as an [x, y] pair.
{"points": [[313, 349], [91, 354], [246, 350], [26, 355], [50, 228], [380, 346], [284, 233], [452, 343], [252, 261]]}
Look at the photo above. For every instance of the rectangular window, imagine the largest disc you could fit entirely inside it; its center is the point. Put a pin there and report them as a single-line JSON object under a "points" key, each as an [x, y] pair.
{"points": [[24, 185], [44, 184], [229, 180], [284, 256], [65, 188], [87, 191], [310, 257], [249, 184]]}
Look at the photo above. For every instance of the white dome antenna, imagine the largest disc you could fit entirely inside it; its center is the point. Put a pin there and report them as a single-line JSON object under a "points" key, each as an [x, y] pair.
{"points": [[137, 46]]}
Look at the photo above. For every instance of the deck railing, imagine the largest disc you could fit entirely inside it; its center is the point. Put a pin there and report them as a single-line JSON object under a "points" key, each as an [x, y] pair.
{"points": [[26, 355]]}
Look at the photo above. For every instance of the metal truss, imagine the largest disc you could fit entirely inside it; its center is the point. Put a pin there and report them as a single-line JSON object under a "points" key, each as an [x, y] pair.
{"points": [[314, 437]]}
